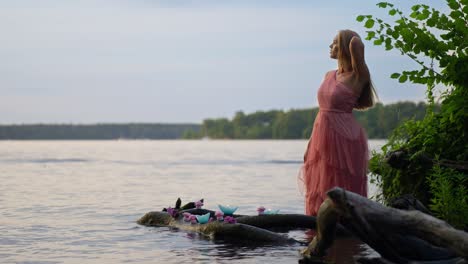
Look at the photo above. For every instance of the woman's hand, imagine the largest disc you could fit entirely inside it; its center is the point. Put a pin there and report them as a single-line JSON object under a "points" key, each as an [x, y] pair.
{"points": [[356, 48], [355, 42]]}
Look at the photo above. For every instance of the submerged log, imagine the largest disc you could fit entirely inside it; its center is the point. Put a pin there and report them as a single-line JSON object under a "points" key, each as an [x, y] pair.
{"points": [[247, 228], [399, 236], [238, 231], [285, 221]]}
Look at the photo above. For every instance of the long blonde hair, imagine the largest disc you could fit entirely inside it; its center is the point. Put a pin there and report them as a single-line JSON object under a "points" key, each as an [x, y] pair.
{"points": [[368, 96]]}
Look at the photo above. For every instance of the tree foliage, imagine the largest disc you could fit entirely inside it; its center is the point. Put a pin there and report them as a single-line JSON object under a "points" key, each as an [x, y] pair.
{"points": [[438, 43], [297, 123]]}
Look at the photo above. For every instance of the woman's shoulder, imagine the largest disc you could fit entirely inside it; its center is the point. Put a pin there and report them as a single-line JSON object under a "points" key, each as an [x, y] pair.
{"points": [[330, 73]]}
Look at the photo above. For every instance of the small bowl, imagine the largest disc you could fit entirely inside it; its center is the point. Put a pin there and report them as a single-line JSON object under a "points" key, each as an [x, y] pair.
{"points": [[227, 209], [271, 212], [203, 219]]}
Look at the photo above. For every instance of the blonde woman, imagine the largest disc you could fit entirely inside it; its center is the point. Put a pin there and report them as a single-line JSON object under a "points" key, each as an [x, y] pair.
{"points": [[337, 153]]}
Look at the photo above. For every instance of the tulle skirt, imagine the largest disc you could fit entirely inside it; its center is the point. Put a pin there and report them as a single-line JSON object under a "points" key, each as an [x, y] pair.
{"points": [[337, 155]]}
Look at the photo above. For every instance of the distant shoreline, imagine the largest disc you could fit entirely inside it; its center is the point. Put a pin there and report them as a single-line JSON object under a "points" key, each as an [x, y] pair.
{"points": [[95, 131], [378, 122]]}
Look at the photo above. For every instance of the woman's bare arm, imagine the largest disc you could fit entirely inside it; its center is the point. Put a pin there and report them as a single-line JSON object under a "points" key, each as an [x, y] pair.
{"points": [[356, 48]]}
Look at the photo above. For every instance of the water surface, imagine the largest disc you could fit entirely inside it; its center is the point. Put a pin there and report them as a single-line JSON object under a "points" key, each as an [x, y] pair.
{"points": [[77, 201]]}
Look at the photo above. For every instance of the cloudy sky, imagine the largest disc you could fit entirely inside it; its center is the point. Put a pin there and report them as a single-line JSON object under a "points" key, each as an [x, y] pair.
{"points": [[173, 61]]}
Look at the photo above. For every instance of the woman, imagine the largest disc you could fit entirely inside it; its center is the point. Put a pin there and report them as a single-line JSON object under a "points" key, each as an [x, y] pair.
{"points": [[337, 152]]}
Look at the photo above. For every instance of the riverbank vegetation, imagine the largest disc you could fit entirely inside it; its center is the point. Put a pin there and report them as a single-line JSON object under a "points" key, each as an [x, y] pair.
{"points": [[428, 158], [297, 123]]}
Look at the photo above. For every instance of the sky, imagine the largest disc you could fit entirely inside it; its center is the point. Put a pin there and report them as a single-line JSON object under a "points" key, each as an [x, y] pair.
{"points": [[178, 61]]}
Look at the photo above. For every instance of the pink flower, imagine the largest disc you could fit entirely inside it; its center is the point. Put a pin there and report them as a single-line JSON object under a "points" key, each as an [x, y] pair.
{"points": [[219, 215], [230, 220], [193, 219], [261, 210], [198, 204], [187, 216]]}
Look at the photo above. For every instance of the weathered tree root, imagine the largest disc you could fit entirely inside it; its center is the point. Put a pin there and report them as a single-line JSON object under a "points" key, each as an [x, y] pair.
{"points": [[398, 236]]}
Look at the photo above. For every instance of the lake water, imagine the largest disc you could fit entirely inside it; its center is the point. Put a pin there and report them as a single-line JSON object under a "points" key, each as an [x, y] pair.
{"points": [[77, 201]]}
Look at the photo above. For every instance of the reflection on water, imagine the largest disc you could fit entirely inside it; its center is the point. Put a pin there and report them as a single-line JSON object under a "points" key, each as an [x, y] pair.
{"points": [[77, 201]]}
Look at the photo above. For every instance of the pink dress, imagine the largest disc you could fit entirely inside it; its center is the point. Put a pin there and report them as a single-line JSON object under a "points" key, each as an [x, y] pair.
{"points": [[337, 154]]}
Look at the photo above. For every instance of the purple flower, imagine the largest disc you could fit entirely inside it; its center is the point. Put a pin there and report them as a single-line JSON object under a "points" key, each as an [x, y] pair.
{"points": [[198, 204], [172, 212], [230, 220], [261, 210]]}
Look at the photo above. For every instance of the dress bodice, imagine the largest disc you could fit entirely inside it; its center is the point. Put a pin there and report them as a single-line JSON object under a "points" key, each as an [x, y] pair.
{"points": [[334, 96]]}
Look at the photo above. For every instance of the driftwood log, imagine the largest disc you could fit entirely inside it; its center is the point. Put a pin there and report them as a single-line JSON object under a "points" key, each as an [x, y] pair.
{"points": [[217, 230], [398, 236], [250, 229]]}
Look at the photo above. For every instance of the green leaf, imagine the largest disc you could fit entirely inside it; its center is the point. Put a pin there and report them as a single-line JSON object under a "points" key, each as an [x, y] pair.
{"points": [[370, 35], [382, 4], [445, 36], [392, 12], [378, 42], [430, 22], [458, 15], [360, 18], [388, 44], [415, 14], [461, 26], [406, 33], [415, 7], [423, 15], [453, 4], [369, 23], [403, 78], [395, 75]]}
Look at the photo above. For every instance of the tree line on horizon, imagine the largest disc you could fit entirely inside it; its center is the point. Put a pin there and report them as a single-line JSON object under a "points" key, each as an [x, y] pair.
{"points": [[378, 122], [95, 131]]}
